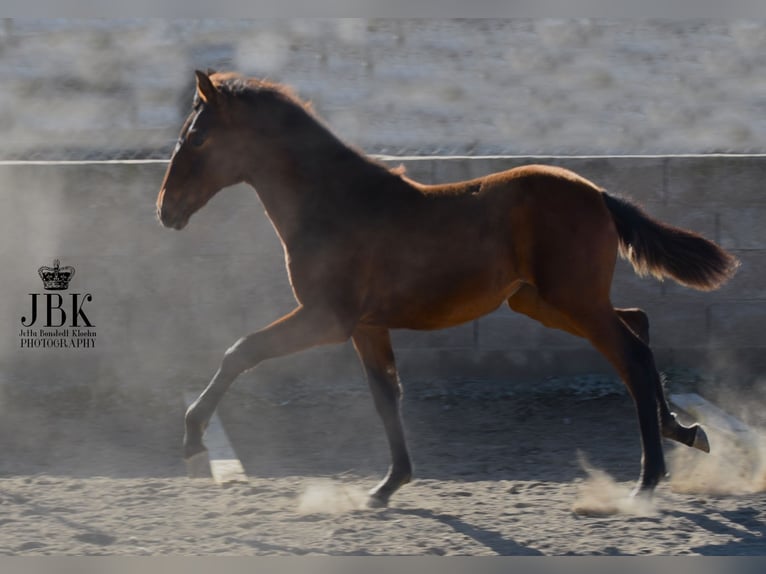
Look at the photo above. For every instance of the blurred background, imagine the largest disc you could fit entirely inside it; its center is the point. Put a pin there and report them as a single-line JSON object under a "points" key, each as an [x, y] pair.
{"points": [[106, 89], [167, 304]]}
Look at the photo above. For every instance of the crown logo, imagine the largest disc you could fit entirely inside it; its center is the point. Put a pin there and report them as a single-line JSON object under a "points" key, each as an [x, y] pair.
{"points": [[56, 278]]}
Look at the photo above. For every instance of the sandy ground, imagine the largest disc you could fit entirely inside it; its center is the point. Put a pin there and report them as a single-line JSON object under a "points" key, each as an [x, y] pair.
{"points": [[500, 471]]}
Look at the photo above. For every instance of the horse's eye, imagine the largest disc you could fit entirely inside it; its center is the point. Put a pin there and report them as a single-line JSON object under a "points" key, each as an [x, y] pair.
{"points": [[196, 138]]}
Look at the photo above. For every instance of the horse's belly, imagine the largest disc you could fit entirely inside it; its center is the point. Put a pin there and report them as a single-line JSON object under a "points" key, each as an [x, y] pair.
{"points": [[441, 308]]}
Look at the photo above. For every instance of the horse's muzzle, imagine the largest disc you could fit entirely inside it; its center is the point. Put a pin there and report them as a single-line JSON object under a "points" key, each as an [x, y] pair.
{"points": [[171, 218], [172, 222]]}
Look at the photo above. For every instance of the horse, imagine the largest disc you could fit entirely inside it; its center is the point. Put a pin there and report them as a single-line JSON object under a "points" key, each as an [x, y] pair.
{"points": [[368, 249]]}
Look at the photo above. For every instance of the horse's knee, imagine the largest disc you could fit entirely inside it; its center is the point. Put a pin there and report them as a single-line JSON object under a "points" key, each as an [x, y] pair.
{"points": [[386, 393], [238, 358], [394, 385]]}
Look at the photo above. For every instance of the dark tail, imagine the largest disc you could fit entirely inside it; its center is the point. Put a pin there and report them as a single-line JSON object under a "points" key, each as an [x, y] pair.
{"points": [[655, 248]]}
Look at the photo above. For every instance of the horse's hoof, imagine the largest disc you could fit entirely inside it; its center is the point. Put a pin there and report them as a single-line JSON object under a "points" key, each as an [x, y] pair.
{"points": [[377, 502], [642, 492], [193, 449], [700, 440], [645, 487], [198, 466]]}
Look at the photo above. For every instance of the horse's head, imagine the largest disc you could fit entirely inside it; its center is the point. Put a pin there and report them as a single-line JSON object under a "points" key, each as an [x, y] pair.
{"points": [[240, 129], [206, 157]]}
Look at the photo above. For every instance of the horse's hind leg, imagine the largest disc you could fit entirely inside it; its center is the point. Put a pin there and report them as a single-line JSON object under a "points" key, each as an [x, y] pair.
{"points": [[528, 301], [694, 436], [631, 357], [637, 320], [301, 329], [634, 361], [373, 345]]}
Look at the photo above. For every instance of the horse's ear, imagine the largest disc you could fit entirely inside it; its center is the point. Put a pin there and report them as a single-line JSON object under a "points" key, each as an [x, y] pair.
{"points": [[205, 88]]}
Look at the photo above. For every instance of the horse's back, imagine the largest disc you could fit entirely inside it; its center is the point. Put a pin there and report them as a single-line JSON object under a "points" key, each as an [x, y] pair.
{"points": [[461, 249], [510, 180], [550, 220]]}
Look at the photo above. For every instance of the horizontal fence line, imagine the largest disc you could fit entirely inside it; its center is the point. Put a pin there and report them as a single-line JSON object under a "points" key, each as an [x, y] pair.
{"points": [[413, 158], [84, 162], [564, 156]]}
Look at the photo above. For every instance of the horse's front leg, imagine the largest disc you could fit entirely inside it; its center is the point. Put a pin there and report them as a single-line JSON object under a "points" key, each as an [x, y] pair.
{"points": [[373, 345], [301, 329]]}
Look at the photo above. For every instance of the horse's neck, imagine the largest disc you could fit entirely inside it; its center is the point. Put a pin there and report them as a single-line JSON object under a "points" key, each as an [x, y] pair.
{"points": [[302, 188]]}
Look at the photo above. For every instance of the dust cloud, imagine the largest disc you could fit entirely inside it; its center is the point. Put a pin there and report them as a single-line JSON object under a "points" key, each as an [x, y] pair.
{"points": [[600, 495], [735, 465], [329, 497]]}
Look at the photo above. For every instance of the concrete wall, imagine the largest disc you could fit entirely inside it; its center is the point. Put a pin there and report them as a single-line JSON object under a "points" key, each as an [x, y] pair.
{"points": [[166, 304], [516, 86]]}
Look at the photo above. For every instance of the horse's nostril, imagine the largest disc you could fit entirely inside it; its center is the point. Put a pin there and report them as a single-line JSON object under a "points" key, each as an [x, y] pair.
{"points": [[171, 220], [162, 216]]}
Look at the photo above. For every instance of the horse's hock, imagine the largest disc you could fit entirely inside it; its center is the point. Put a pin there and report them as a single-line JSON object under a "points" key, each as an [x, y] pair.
{"points": [[173, 302]]}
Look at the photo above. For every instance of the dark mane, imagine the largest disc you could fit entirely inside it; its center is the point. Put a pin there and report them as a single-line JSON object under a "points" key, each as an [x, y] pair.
{"points": [[256, 91]]}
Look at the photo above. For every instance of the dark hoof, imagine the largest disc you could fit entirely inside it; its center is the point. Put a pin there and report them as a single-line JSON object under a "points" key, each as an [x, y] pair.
{"points": [[642, 492], [193, 449], [390, 484], [700, 439], [377, 502], [645, 488]]}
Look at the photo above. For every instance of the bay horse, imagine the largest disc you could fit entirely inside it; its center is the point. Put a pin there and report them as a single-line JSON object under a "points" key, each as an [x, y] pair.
{"points": [[368, 249]]}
